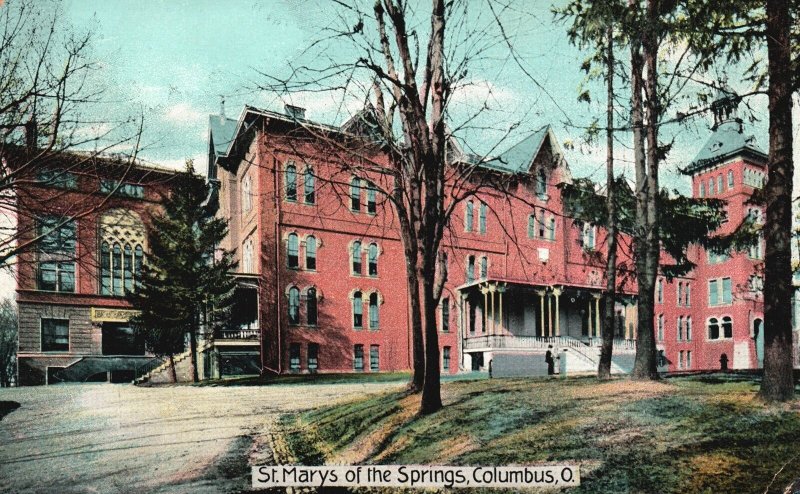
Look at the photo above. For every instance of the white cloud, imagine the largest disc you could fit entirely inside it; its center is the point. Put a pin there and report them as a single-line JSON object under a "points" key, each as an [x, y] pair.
{"points": [[480, 92], [184, 114], [200, 163]]}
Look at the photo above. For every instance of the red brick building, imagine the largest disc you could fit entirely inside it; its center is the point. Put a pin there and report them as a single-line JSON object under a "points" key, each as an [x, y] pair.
{"points": [[91, 214], [324, 251]]}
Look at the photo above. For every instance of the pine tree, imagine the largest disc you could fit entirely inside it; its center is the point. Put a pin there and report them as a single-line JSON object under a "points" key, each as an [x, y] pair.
{"points": [[186, 280]]}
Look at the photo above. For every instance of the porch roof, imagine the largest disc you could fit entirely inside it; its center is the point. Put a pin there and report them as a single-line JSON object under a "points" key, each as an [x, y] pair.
{"points": [[535, 284]]}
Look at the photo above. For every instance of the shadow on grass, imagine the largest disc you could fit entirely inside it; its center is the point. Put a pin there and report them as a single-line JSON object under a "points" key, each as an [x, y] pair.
{"points": [[7, 407]]}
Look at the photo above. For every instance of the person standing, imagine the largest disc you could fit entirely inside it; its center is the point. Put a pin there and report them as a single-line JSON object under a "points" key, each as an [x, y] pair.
{"points": [[548, 358]]}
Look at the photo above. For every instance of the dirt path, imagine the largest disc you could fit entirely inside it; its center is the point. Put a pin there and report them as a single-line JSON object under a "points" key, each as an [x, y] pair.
{"points": [[120, 438]]}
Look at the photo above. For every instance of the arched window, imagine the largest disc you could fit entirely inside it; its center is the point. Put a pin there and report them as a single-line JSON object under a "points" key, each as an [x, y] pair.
{"points": [[247, 193], [727, 327], [358, 311], [470, 269], [372, 260], [679, 328], [730, 179], [719, 184], [311, 253], [702, 189], [294, 306], [355, 194], [247, 256], [482, 218], [291, 182], [308, 185], [292, 251], [660, 291], [713, 329], [372, 206], [356, 257], [551, 229], [484, 267], [122, 237], [469, 216], [311, 306], [711, 186], [374, 320], [531, 225], [688, 328], [541, 223], [541, 183]]}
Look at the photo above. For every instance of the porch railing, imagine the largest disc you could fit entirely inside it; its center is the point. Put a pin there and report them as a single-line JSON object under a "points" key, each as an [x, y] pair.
{"points": [[236, 334], [539, 342]]}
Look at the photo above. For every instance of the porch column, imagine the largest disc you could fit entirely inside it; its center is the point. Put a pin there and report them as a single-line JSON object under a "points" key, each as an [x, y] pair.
{"points": [[464, 316], [540, 293], [492, 289], [557, 294], [485, 292], [500, 290], [597, 313], [590, 318], [550, 315]]}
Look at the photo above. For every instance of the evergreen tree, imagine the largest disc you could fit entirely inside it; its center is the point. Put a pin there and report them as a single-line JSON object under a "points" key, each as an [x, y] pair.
{"points": [[186, 280]]}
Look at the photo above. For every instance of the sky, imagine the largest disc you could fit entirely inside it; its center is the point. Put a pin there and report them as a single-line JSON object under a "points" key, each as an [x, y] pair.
{"points": [[174, 61]]}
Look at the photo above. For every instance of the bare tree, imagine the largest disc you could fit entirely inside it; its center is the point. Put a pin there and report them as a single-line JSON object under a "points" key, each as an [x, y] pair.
{"points": [[8, 342]]}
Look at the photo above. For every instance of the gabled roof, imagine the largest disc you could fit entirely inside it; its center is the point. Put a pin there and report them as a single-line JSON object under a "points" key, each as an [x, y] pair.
{"points": [[727, 141], [221, 133], [518, 158]]}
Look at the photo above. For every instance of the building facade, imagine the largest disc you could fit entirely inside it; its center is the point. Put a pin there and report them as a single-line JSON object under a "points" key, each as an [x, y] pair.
{"points": [[86, 218]]}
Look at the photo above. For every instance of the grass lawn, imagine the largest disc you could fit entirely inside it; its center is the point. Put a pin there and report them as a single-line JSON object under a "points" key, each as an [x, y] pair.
{"points": [[309, 379], [689, 434]]}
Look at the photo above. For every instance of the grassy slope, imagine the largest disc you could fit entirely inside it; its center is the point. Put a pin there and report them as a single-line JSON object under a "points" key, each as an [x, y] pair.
{"points": [[694, 434]]}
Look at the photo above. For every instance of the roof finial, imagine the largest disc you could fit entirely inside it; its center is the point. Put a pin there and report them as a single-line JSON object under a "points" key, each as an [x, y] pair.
{"points": [[222, 107]]}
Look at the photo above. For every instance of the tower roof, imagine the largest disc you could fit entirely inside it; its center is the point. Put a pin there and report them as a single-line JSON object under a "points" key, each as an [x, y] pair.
{"points": [[727, 141]]}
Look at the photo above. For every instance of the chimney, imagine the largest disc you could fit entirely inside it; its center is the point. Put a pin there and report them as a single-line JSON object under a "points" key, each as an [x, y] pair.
{"points": [[31, 134], [295, 112]]}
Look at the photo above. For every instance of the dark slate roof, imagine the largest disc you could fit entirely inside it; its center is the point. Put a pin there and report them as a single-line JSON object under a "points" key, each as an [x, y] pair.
{"points": [[221, 132], [728, 140], [518, 158]]}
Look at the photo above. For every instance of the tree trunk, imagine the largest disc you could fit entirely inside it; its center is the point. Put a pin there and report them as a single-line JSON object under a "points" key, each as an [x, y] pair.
{"points": [[610, 295], [193, 353], [778, 384], [172, 368], [417, 340], [431, 393], [644, 366]]}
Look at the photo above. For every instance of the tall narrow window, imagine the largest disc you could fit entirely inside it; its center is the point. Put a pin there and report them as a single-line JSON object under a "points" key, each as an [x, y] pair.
{"points": [[356, 257], [660, 291], [688, 295], [374, 358], [551, 229], [355, 194], [56, 267], [727, 327], [311, 253], [702, 189], [116, 269], [688, 359], [470, 269], [292, 251], [680, 359], [445, 315], [372, 259], [105, 269], [482, 218], [247, 193], [711, 186], [446, 358], [291, 182], [469, 216], [372, 205], [311, 306], [294, 306], [309, 193], [730, 179], [726, 290], [541, 183], [680, 293], [313, 357], [531, 225], [713, 292], [358, 357], [374, 319], [661, 327], [294, 357], [688, 328], [541, 223], [679, 327], [713, 329], [720, 188], [358, 311], [127, 266], [484, 267]]}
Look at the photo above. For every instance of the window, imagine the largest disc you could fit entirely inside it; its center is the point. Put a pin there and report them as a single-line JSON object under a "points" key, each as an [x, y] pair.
{"points": [[679, 324], [55, 335], [482, 218], [247, 256], [702, 189], [688, 295], [727, 327], [688, 359], [358, 311], [374, 358], [661, 327], [660, 291], [291, 182], [551, 229], [372, 206], [311, 306], [588, 237], [294, 357], [308, 185], [247, 194], [311, 253], [374, 320], [358, 357], [122, 237], [680, 359], [716, 257], [680, 293], [313, 357], [446, 358], [468, 218], [356, 257], [294, 306], [292, 251], [372, 259], [720, 188], [688, 328], [541, 223], [713, 328], [755, 251], [484, 267], [445, 315], [355, 194], [726, 290], [57, 178], [541, 184], [56, 256], [135, 191], [711, 186], [470, 269], [719, 291], [730, 179], [532, 225]]}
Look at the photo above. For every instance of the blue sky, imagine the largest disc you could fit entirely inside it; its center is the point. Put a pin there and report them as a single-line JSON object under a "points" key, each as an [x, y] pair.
{"points": [[173, 60]]}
